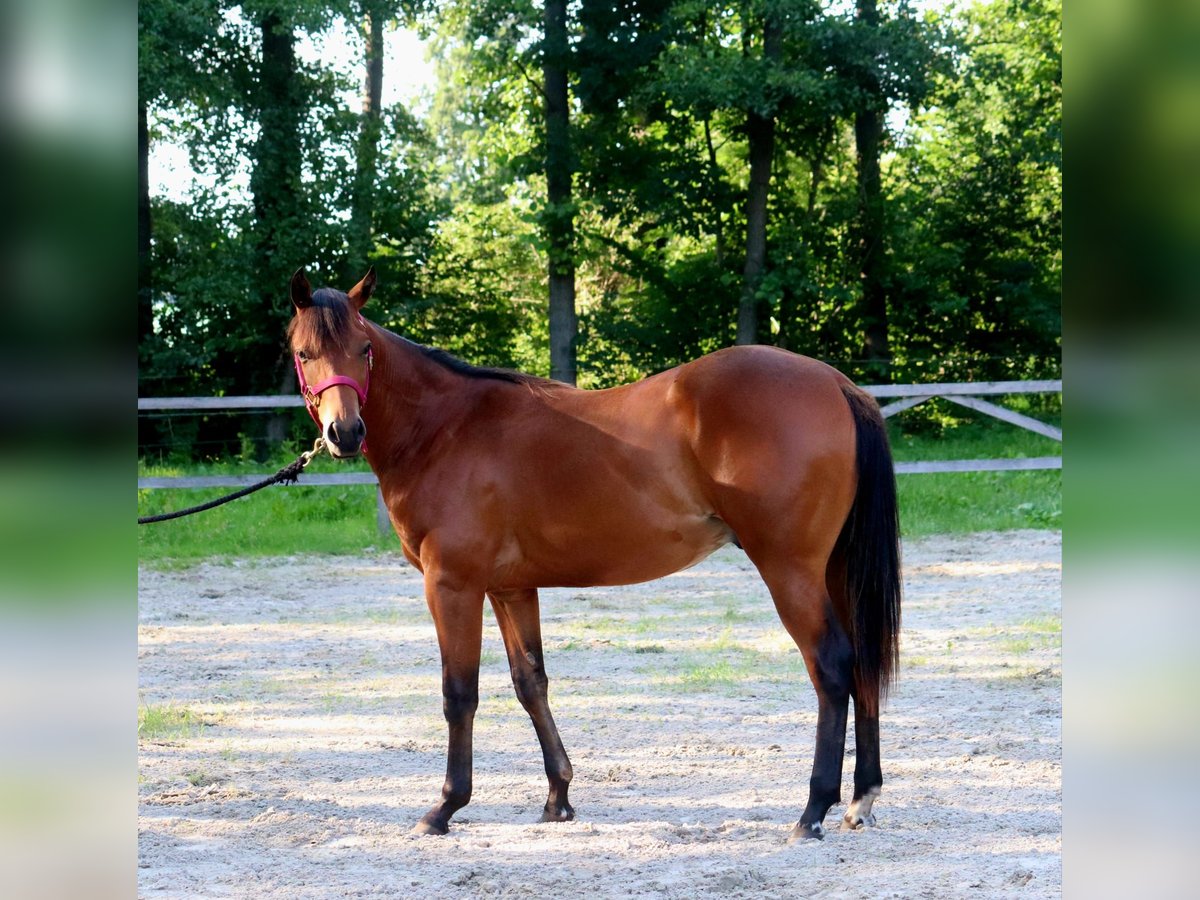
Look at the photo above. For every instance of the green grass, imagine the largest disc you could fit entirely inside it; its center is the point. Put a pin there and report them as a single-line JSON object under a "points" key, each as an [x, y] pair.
{"points": [[701, 677], [1043, 625], [277, 521], [1016, 647], [963, 502], [167, 722], [280, 521]]}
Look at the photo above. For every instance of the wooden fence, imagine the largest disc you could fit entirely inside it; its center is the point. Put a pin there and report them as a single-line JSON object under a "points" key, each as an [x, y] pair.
{"points": [[969, 395]]}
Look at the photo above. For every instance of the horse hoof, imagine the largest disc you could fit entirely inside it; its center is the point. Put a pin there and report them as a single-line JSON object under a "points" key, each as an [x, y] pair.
{"points": [[853, 822], [858, 813], [803, 832], [424, 827], [560, 815]]}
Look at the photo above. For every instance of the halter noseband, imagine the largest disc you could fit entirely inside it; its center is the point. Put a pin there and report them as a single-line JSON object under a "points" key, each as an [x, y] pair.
{"points": [[312, 392]]}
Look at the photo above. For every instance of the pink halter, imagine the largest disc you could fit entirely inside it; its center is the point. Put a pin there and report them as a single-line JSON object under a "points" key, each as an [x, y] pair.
{"points": [[312, 393]]}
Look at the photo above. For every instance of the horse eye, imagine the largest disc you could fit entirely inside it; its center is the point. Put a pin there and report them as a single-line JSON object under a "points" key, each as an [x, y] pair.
{"points": [[366, 350], [302, 356]]}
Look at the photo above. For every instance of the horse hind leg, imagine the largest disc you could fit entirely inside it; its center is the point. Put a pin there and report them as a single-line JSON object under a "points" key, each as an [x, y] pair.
{"points": [[868, 773], [805, 608], [519, 618]]}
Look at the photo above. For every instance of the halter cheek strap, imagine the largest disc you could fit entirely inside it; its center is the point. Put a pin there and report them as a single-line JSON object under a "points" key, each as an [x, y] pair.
{"points": [[312, 392]]}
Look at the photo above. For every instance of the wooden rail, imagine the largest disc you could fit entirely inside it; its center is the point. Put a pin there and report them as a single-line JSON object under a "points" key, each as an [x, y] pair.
{"points": [[968, 394]]}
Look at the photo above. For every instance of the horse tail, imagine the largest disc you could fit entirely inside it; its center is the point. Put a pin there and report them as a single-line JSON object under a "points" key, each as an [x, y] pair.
{"points": [[870, 547]]}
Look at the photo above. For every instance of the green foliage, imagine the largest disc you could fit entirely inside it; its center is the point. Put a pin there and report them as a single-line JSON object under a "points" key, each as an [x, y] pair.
{"points": [[661, 91], [978, 224], [274, 143]]}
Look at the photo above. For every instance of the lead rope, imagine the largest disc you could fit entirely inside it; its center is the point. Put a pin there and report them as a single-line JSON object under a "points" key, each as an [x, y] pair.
{"points": [[289, 474]]}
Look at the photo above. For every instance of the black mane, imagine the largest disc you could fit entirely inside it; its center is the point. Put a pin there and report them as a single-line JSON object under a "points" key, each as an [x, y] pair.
{"points": [[456, 365], [327, 323]]}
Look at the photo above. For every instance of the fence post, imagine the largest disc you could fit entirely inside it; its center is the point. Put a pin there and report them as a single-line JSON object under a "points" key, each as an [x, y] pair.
{"points": [[383, 519]]}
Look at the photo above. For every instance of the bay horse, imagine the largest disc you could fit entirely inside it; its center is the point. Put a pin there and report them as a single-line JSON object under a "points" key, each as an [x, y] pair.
{"points": [[500, 483]]}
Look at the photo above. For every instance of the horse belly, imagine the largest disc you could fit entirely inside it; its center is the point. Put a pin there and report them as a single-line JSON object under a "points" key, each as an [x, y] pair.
{"points": [[628, 553]]}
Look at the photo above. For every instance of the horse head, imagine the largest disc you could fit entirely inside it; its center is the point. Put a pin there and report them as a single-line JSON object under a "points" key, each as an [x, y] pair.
{"points": [[331, 346]]}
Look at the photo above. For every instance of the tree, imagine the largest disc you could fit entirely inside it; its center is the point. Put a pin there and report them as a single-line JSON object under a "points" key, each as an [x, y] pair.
{"points": [[868, 137], [760, 139], [174, 39], [977, 234], [559, 215], [621, 151], [372, 16], [252, 115]]}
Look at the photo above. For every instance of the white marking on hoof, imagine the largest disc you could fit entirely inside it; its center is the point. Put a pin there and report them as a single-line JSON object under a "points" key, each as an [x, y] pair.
{"points": [[859, 812]]}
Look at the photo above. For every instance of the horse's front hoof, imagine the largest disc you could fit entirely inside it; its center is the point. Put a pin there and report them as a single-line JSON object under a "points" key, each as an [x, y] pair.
{"points": [[563, 814], [803, 832], [424, 827]]}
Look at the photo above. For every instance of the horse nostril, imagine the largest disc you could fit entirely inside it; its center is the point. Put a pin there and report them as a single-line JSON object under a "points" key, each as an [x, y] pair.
{"points": [[346, 436]]}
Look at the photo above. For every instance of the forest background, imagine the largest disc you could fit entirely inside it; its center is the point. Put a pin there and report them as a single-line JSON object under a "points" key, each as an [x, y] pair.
{"points": [[597, 191]]}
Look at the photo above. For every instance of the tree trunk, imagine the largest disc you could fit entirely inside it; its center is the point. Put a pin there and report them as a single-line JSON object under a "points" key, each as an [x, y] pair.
{"points": [[715, 171], [367, 163], [789, 298], [559, 217], [145, 295], [752, 323], [275, 185], [868, 136]]}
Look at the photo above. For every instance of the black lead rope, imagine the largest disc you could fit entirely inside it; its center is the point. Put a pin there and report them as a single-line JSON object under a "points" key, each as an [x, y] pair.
{"points": [[289, 474]]}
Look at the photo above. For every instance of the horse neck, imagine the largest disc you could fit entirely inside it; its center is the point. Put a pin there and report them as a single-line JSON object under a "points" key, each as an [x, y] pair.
{"points": [[412, 399]]}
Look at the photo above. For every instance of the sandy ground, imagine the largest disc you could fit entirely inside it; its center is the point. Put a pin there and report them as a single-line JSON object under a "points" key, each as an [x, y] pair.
{"points": [[684, 706]]}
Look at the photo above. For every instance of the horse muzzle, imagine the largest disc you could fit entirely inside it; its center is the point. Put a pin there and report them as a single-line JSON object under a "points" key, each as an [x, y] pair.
{"points": [[345, 437]]}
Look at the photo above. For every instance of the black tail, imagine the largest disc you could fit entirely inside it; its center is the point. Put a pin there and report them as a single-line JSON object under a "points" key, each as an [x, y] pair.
{"points": [[870, 543]]}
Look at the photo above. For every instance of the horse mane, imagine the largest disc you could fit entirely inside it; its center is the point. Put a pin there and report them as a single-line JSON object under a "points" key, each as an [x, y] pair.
{"points": [[327, 321], [456, 365]]}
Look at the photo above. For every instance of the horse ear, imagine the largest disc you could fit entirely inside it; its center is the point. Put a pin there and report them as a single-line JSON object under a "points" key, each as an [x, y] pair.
{"points": [[361, 292], [301, 290]]}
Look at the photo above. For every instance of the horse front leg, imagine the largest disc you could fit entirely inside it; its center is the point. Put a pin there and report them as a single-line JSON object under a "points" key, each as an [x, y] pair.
{"points": [[458, 616], [520, 623]]}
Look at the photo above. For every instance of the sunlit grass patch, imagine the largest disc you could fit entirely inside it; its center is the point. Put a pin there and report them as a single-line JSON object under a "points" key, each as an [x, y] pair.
{"points": [[1016, 647], [168, 722], [700, 677], [1043, 625], [611, 626]]}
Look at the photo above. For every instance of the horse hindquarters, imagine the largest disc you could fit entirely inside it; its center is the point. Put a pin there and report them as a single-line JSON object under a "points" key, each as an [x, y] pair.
{"points": [[826, 544]]}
